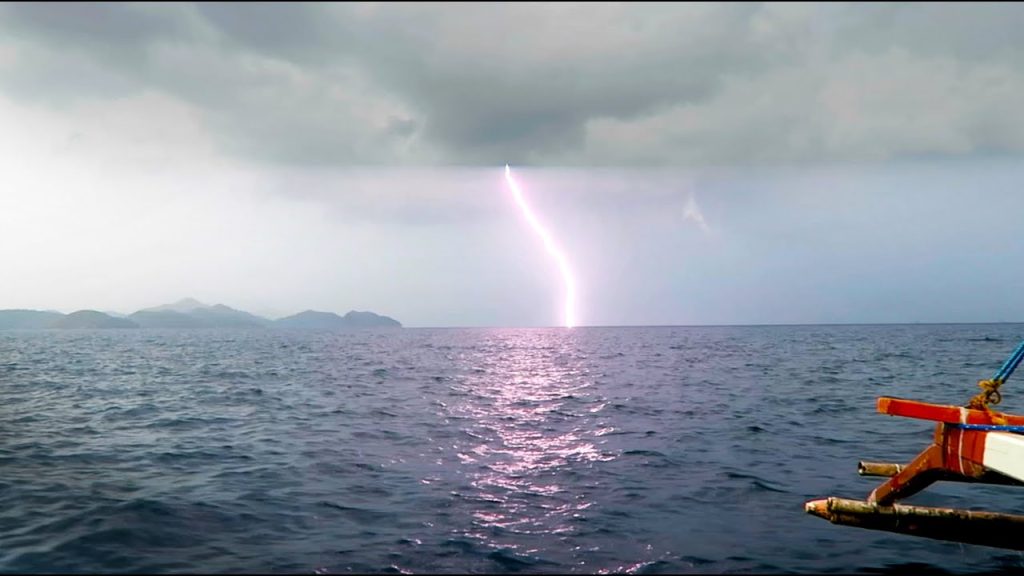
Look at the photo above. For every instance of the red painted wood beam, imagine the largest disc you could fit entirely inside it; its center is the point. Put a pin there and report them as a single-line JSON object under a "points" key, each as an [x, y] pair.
{"points": [[954, 451], [944, 413]]}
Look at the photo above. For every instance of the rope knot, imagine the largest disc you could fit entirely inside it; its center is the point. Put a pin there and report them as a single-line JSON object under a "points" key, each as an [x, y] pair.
{"points": [[989, 395]]}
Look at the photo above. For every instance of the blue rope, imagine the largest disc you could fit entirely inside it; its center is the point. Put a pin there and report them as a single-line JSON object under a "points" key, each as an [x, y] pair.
{"points": [[1011, 364], [990, 427]]}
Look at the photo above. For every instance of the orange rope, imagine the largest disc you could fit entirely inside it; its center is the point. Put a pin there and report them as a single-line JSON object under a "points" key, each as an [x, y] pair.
{"points": [[989, 395]]}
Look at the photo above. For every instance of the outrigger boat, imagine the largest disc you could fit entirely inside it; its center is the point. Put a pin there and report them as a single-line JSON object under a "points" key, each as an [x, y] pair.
{"points": [[971, 444]]}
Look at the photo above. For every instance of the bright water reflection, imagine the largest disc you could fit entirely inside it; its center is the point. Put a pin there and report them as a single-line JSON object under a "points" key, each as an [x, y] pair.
{"points": [[532, 421]]}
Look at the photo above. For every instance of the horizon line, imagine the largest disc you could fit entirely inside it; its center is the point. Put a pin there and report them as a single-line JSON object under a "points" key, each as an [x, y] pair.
{"points": [[759, 325], [562, 327]]}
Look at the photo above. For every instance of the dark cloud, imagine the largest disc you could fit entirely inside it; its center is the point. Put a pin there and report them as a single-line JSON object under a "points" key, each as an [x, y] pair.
{"points": [[95, 25], [972, 32], [282, 29], [519, 82], [543, 84]]}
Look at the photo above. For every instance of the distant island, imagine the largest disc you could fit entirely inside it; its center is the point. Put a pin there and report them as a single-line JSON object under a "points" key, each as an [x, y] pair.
{"points": [[91, 319], [190, 314], [330, 320]]}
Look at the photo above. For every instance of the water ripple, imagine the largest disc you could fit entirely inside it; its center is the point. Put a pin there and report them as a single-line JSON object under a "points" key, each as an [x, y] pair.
{"points": [[596, 450]]}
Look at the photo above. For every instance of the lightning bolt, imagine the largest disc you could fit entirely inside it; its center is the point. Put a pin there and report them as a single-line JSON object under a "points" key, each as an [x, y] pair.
{"points": [[551, 247]]}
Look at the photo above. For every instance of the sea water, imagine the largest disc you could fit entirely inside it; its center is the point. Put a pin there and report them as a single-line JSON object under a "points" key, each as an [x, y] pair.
{"points": [[646, 450]]}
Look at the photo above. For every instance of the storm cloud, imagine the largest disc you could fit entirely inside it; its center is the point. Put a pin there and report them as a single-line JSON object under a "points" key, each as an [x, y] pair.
{"points": [[553, 84]]}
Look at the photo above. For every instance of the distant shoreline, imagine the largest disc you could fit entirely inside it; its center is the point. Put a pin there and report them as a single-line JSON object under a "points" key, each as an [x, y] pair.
{"points": [[189, 314]]}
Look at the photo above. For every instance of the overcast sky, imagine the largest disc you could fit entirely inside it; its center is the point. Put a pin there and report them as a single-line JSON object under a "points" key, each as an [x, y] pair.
{"points": [[698, 163]]}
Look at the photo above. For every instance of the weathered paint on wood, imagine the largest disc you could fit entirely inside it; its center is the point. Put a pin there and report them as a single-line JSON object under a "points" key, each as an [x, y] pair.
{"points": [[1004, 453], [957, 453], [944, 413]]}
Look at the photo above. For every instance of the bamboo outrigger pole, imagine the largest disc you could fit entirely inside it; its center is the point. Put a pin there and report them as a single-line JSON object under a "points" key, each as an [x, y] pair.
{"points": [[967, 526], [970, 444]]}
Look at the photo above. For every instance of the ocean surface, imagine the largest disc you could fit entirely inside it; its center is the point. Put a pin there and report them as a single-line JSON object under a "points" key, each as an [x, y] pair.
{"points": [[592, 450]]}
